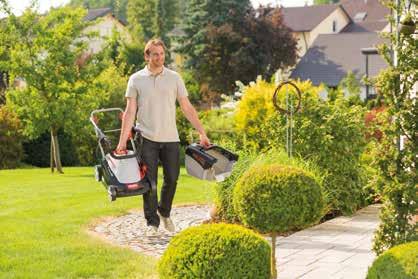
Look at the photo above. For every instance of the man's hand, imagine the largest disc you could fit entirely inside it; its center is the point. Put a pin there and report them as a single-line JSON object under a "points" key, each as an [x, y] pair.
{"points": [[121, 148], [204, 141], [191, 115]]}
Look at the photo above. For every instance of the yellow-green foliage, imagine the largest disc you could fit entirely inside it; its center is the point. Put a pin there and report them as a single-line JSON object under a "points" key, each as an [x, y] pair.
{"points": [[11, 151], [256, 107], [330, 133], [216, 251], [278, 198], [399, 262]]}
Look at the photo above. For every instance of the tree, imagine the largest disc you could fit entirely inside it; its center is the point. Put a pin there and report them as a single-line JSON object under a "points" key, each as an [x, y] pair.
{"points": [[322, 2], [398, 148], [49, 54], [229, 40], [154, 17]]}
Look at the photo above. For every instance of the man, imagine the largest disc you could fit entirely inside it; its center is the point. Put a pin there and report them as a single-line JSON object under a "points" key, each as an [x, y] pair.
{"points": [[151, 94]]}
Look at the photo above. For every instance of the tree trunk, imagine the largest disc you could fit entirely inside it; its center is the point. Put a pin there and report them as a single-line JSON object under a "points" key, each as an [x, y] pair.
{"points": [[51, 159], [56, 150], [273, 256]]}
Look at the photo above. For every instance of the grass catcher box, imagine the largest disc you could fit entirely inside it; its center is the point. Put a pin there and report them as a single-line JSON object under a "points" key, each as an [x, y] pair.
{"points": [[212, 163]]}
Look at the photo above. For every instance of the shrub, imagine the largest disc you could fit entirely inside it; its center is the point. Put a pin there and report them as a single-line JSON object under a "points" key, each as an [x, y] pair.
{"points": [[11, 151], [399, 262], [216, 251], [275, 198], [218, 123], [224, 190], [329, 133], [278, 198]]}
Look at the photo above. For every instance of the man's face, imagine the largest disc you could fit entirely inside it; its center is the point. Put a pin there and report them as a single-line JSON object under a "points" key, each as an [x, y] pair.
{"points": [[156, 56]]}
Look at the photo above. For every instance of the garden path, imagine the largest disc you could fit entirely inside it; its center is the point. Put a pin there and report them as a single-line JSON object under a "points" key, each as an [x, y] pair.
{"points": [[338, 248]]}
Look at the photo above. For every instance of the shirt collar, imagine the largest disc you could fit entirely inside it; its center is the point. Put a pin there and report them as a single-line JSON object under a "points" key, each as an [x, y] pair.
{"points": [[149, 73]]}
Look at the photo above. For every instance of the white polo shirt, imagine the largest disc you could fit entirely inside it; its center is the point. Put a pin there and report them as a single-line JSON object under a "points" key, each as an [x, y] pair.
{"points": [[156, 97]]}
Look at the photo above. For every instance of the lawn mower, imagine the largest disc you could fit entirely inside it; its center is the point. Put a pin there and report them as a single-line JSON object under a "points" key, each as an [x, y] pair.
{"points": [[123, 175]]}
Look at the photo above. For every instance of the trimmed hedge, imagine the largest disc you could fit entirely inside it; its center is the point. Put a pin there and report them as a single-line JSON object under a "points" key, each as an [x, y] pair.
{"points": [[216, 251], [278, 198], [399, 262], [224, 190]]}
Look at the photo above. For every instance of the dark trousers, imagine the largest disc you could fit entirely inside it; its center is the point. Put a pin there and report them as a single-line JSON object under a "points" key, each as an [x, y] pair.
{"points": [[168, 153]]}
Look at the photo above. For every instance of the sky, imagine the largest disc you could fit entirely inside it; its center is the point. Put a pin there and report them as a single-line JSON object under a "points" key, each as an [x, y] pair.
{"points": [[19, 5]]}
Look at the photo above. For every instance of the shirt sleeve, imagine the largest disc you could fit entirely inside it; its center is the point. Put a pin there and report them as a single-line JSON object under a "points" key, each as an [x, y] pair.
{"points": [[181, 88], [131, 90]]}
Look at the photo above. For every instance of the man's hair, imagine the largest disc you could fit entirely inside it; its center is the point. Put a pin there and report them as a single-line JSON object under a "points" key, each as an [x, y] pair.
{"points": [[153, 42]]}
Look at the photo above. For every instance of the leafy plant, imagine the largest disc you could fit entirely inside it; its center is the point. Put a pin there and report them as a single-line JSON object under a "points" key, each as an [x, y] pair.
{"points": [[216, 251], [399, 262], [275, 198], [330, 134], [398, 147], [11, 151], [48, 54]]}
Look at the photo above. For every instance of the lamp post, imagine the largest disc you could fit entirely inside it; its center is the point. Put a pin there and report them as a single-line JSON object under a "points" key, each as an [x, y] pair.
{"points": [[366, 52]]}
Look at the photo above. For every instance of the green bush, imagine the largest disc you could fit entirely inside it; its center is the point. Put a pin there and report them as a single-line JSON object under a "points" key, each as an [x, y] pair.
{"points": [[278, 198], [224, 190], [218, 123], [399, 262], [328, 133], [11, 151], [216, 251]]}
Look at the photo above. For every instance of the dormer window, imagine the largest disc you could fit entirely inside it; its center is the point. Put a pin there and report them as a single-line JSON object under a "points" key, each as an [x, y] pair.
{"points": [[360, 16]]}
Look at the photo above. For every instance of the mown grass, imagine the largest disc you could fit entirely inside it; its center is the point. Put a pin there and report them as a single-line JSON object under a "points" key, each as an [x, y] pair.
{"points": [[44, 219]]}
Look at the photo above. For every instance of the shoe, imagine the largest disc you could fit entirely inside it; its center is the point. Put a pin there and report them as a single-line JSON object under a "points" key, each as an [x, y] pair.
{"points": [[168, 223], [151, 230]]}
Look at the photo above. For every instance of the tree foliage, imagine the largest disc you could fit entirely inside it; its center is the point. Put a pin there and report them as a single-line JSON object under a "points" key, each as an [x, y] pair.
{"points": [[11, 151], [154, 17], [49, 54], [229, 40], [322, 2], [398, 148]]}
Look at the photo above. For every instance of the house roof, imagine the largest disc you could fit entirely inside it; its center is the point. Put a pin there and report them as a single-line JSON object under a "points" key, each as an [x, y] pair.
{"points": [[374, 19], [367, 26], [374, 9], [332, 56], [93, 14], [306, 18]]}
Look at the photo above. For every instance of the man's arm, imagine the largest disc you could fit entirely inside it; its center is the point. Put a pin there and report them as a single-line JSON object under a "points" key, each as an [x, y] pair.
{"points": [[127, 122], [191, 115]]}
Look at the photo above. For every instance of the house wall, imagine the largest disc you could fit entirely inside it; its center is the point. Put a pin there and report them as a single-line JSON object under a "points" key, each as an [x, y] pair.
{"points": [[325, 27], [305, 39], [104, 27]]}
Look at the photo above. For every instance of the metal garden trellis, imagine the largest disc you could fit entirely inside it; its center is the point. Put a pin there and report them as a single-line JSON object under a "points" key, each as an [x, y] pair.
{"points": [[289, 110]]}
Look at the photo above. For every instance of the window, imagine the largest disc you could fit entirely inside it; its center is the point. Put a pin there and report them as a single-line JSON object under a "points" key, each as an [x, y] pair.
{"points": [[360, 16], [334, 26]]}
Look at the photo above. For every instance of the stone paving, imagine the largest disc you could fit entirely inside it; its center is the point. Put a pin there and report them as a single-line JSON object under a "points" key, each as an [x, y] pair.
{"points": [[338, 248], [131, 230]]}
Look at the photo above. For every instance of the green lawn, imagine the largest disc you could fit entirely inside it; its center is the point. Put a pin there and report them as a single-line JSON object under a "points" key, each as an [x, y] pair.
{"points": [[44, 218]]}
